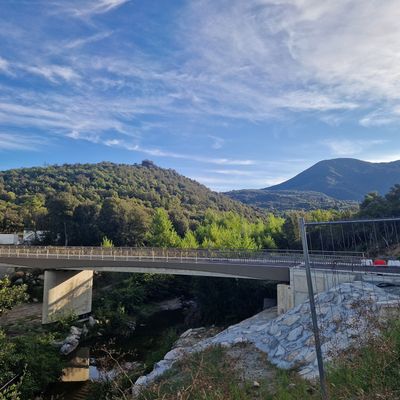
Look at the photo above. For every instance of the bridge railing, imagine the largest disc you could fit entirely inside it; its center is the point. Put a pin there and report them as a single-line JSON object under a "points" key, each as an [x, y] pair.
{"points": [[174, 254]]}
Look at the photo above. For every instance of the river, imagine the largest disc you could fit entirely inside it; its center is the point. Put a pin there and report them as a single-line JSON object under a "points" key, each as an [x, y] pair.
{"points": [[146, 345]]}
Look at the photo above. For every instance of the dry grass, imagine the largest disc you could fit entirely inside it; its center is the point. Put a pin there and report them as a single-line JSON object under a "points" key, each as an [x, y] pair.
{"points": [[210, 375]]}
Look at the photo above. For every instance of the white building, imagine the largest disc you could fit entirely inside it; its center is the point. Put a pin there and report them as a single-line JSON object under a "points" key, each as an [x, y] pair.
{"points": [[9, 238]]}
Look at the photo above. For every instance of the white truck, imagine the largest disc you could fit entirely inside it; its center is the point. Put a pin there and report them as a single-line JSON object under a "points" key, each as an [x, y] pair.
{"points": [[9, 239]]}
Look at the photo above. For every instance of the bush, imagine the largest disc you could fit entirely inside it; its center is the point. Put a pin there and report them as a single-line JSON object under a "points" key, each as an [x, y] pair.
{"points": [[35, 357]]}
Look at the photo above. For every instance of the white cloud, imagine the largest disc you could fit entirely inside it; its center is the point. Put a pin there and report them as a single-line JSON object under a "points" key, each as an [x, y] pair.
{"points": [[53, 72], [297, 54], [231, 172], [87, 8], [347, 147], [233, 59], [225, 184], [381, 116], [383, 158], [155, 152], [13, 141], [77, 43], [4, 65], [218, 142]]}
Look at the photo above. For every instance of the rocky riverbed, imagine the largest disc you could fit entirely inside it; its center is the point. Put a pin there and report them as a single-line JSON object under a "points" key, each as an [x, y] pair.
{"points": [[344, 316]]}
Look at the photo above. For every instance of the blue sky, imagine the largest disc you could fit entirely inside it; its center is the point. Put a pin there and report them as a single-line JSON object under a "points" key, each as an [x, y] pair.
{"points": [[232, 93]]}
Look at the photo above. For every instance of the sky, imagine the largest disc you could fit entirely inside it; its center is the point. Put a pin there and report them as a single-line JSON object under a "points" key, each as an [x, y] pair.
{"points": [[233, 93]]}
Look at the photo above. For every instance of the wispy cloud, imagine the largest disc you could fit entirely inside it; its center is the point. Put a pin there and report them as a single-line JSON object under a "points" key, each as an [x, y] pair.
{"points": [[12, 141], [53, 72], [220, 64], [87, 8], [77, 43], [263, 47], [224, 184], [347, 147], [4, 65], [218, 142], [156, 152]]}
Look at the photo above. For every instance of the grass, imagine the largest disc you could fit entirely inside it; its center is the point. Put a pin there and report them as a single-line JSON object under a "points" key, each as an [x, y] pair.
{"points": [[371, 372], [207, 376]]}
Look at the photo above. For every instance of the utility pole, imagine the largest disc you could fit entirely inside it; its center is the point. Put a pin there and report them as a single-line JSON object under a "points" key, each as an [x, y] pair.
{"points": [[303, 231]]}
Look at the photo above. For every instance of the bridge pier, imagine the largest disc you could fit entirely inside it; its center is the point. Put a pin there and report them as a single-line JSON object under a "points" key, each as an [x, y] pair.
{"points": [[66, 292]]}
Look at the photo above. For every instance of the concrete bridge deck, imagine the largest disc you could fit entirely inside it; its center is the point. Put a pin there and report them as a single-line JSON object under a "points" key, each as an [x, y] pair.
{"points": [[69, 270], [268, 264]]}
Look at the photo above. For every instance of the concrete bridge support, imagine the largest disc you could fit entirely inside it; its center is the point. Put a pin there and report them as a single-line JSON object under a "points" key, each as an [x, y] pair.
{"points": [[289, 296], [296, 292], [66, 292]]}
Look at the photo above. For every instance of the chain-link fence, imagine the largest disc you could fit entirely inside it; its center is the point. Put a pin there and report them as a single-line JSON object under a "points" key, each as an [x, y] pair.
{"points": [[351, 299]]}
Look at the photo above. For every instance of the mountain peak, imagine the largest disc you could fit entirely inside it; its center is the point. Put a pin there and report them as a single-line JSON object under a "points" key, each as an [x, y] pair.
{"points": [[345, 178]]}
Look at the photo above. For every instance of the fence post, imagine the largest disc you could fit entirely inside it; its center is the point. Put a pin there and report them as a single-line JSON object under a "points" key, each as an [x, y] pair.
{"points": [[321, 371]]}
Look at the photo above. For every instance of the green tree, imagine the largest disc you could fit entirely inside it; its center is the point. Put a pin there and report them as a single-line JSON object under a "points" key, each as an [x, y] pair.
{"points": [[11, 295], [34, 212], [125, 222], [61, 210], [162, 232], [189, 241], [107, 243], [85, 229]]}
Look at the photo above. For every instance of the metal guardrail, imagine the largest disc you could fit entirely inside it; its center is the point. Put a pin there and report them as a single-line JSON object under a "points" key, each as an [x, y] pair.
{"points": [[149, 254]]}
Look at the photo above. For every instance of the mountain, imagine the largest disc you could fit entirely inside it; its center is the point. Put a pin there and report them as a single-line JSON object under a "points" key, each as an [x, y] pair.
{"points": [[147, 184], [285, 200], [345, 178]]}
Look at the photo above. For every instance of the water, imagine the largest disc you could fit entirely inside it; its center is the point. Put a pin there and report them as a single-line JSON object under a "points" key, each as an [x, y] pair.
{"points": [[146, 344]]}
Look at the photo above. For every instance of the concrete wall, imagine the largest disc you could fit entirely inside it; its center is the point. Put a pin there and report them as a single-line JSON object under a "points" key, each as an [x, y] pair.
{"points": [[6, 270], [289, 296], [284, 298], [322, 280], [66, 292]]}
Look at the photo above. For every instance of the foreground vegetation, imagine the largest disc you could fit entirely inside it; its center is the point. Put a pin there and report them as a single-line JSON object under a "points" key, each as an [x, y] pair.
{"points": [[366, 373], [27, 354]]}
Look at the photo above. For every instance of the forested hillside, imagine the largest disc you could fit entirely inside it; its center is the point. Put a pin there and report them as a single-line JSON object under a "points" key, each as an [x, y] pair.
{"points": [[148, 184], [144, 205], [81, 203], [286, 200]]}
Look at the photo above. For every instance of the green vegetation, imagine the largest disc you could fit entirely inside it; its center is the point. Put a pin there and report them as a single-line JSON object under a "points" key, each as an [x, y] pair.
{"points": [[107, 243], [30, 354], [81, 203], [144, 205], [280, 201], [209, 375], [11, 295], [377, 206], [364, 373]]}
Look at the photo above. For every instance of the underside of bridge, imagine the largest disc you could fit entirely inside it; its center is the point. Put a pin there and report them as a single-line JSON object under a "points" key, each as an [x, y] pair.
{"points": [[68, 282]]}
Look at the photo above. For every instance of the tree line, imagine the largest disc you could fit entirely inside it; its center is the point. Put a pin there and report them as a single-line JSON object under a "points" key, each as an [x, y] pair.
{"points": [[144, 205]]}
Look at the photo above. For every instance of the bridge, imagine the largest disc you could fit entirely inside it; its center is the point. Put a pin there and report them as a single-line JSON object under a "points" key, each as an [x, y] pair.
{"points": [[68, 271]]}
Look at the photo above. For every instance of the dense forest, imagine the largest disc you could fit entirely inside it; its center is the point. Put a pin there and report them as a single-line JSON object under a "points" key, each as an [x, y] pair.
{"points": [[280, 201], [81, 203], [145, 205]]}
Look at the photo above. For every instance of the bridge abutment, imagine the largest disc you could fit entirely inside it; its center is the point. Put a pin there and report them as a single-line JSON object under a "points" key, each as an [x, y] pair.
{"points": [[66, 292], [289, 296]]}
